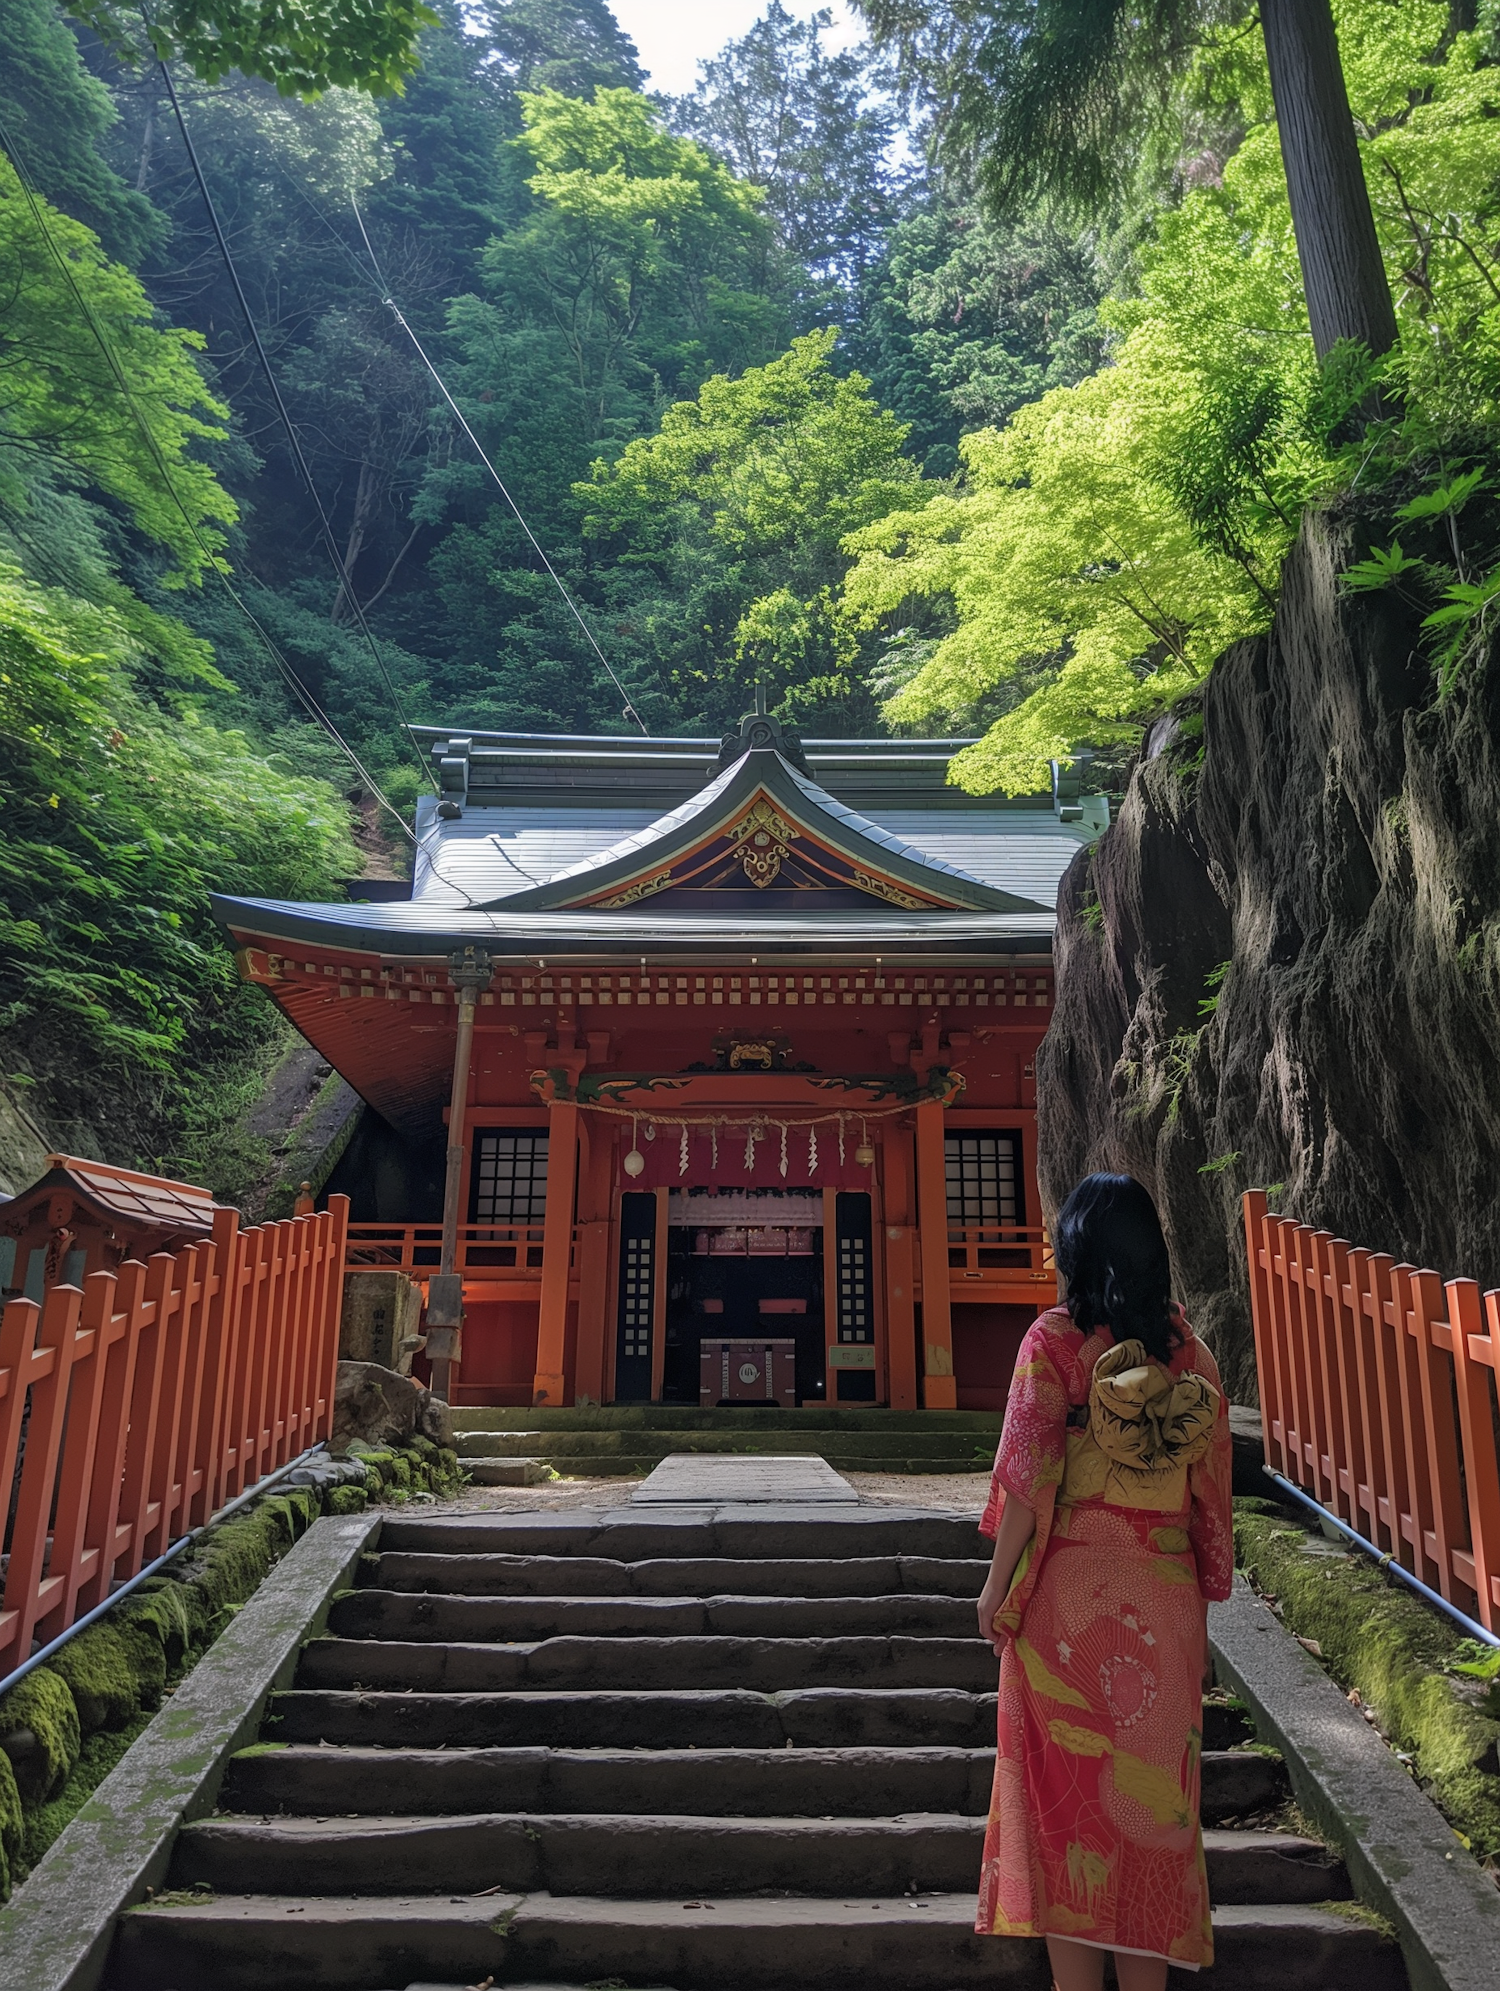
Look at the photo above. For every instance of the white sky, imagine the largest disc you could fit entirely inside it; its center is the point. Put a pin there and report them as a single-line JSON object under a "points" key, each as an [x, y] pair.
{"points": [[674, 36]]}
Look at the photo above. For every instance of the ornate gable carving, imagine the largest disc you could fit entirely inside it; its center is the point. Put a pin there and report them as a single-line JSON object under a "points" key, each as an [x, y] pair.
{"points": [[765, 844], [641, 888], [760, 840]]}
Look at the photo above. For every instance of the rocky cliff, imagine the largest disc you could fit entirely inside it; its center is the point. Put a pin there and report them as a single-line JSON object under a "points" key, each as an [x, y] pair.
{"points": [[1282, 963]]}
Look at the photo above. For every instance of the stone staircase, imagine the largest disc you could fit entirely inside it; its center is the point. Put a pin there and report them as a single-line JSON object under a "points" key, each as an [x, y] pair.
{"points": [[515, 1447], [716, 1750]]}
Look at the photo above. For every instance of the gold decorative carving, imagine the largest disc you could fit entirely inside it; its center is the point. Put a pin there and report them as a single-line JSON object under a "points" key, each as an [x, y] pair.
{"points": [[883, 889], [760, 840], [643, 888], [761, 1054]]}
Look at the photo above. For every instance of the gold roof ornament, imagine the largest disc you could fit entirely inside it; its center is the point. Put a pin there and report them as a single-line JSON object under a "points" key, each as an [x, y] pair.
{"points": [[761, 839]]}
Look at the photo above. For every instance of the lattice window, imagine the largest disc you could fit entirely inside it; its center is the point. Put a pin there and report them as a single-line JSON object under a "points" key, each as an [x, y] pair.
{"points": [[510, 1178], [637, 1277], [854, 1289], [983, 1172]]}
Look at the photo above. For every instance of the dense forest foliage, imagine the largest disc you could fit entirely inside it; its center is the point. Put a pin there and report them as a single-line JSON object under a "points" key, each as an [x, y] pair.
{"points": [[783, 384]]}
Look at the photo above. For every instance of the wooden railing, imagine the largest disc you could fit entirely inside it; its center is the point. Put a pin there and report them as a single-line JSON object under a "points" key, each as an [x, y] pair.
{"points": [[1378, 1399], [130, 1411], [993, 1251], [483, 1249]]}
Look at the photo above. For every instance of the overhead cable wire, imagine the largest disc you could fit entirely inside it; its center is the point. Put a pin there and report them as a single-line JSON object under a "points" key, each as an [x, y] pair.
{"points": [[381, 290], [346, 582], [458, 415], [211, 559]]}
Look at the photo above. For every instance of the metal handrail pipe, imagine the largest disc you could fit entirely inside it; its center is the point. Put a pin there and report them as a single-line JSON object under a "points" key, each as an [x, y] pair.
{"points": [[1471, 1628]]}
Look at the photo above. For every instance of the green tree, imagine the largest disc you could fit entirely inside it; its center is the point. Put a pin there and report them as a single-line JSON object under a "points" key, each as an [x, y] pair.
{"points": [[637, 247], [61, 400], [57, 117], [751, 490], [1045, 96], [966, 318], [814, 130], [638, 267], [302, 47], [574, 46], [117, 819], [1106, 544]]}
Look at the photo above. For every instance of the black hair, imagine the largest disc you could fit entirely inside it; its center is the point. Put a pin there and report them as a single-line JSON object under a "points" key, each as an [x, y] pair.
{"points": [[1109, 1246]]}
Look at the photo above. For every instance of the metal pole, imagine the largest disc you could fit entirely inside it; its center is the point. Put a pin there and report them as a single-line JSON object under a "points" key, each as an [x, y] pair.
{"points": [[470, 973]]}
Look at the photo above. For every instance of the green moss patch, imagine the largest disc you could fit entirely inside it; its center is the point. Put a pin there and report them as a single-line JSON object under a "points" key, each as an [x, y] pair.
{"points": [[39, 1732], [1383, 1644], [12, 1822], [65, 1726]]}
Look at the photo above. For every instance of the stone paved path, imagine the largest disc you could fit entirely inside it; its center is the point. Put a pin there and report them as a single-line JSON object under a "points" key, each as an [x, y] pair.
{"points": [[706, 1478]]}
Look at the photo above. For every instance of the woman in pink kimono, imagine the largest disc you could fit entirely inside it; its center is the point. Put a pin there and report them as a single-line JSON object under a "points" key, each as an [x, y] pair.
{"points": [[1111, 1516]]}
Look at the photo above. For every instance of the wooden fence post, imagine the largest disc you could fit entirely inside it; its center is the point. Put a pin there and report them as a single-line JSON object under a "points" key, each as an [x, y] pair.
{"points": [[1474, 1351], [74, 1557], [1445, 1522], [46, 1372]]}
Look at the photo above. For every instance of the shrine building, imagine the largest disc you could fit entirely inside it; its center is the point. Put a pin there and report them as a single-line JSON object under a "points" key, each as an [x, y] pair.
{"points": [[749, 1114]]}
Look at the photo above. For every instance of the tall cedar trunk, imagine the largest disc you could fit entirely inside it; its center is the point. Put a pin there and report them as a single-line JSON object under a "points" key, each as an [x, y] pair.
{"points": [[1343, 275]]}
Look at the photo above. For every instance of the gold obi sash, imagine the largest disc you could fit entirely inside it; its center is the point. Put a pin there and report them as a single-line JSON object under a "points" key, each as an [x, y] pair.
{"points": [[1145, 1429]]}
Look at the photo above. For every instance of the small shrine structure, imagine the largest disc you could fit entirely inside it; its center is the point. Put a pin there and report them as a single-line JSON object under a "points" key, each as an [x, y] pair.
{"points": [[733, 1041], [85, 1216]]}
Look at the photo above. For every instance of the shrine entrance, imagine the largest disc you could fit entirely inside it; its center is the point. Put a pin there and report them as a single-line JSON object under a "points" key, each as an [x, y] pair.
{"points": [[745, 1266]]}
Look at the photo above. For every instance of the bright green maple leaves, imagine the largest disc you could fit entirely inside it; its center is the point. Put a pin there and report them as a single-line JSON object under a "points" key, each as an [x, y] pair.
{"points": [[1098, 552]]}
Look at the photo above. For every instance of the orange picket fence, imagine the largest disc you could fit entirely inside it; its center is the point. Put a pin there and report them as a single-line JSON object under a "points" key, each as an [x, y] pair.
{"points": [[1378, 1400], [133, 1409]]}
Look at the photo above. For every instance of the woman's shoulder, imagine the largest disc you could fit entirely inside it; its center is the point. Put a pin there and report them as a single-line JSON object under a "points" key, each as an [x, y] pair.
{"points": [[1056, 1345], [1053, 1321], [1053, 1333]]}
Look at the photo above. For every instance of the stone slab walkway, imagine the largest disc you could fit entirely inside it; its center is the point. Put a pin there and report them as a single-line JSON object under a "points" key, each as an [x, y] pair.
{"points": [[708, 1479]]}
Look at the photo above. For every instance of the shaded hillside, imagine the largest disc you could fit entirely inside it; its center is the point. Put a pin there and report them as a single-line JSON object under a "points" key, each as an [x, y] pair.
{"points": [[1282, 964]]}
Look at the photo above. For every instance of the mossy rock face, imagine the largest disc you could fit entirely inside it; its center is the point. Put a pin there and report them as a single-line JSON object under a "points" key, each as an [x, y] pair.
{"points": [[39, 1732], [1394, 1650], [348, 1500], [102, 1670]]}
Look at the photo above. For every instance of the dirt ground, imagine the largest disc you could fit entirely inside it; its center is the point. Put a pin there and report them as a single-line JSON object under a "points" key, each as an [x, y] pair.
{"points": [[951, 1493]]}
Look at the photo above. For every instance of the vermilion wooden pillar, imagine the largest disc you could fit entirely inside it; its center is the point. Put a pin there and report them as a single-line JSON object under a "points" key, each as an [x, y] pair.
{"points": [[595, 1230], [550, 1385], [939, 1389], [900, 1270]]}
